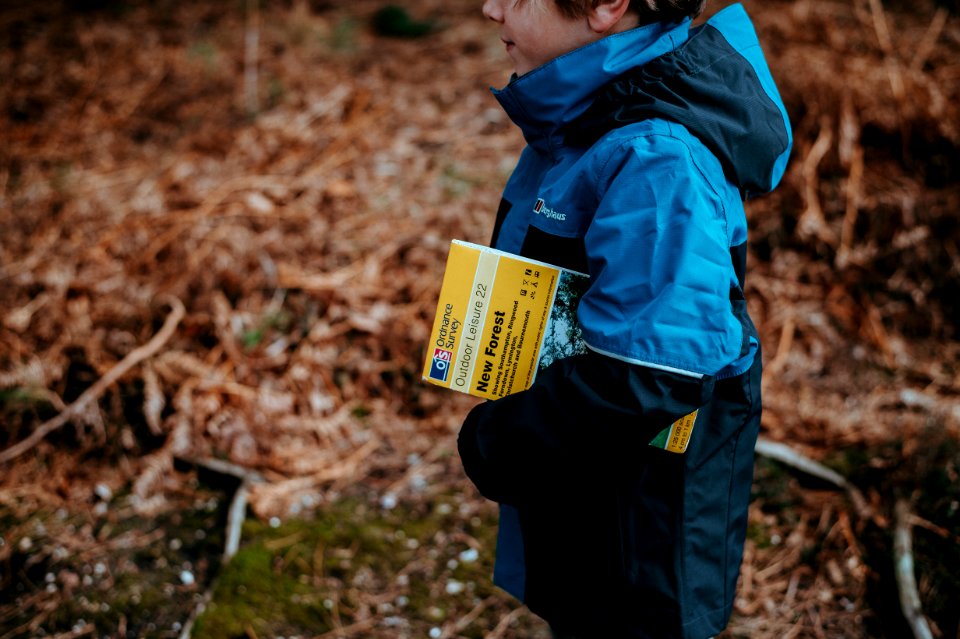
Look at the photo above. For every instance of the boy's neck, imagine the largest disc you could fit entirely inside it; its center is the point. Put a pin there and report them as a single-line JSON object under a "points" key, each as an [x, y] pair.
{"points": [[630, 20]]}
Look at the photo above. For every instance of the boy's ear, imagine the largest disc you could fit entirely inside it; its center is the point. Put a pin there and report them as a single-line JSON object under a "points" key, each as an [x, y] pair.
{"points": [[607, 14]]}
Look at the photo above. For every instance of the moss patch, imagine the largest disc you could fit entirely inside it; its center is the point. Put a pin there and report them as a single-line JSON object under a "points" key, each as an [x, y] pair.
{"points": [[404, 571], [388, 569]]}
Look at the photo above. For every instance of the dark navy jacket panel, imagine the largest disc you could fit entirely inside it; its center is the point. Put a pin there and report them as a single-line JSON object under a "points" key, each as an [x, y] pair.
{"points": [[712, 89]]}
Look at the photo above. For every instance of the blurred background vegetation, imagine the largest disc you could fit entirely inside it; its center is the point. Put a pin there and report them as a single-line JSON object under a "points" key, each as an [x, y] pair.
{"points": [[222, 227]]}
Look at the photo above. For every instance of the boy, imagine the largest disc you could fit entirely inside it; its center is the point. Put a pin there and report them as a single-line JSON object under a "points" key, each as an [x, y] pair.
{"points": [[643, 138]]}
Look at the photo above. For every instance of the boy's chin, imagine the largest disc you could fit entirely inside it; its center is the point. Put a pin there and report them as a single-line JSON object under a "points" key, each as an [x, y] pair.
{"points": [[521, 68]]}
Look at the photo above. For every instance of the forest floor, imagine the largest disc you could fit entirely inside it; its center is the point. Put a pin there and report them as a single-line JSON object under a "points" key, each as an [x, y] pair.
{"points": [[221, 235]]}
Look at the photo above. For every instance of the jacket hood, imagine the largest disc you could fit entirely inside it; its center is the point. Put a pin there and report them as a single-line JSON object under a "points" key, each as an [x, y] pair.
{"points": [[718, 85], [553, 95], [713, 79]]}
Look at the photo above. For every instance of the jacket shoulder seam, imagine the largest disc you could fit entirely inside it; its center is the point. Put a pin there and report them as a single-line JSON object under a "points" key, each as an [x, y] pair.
{"points": [[626, 144]]}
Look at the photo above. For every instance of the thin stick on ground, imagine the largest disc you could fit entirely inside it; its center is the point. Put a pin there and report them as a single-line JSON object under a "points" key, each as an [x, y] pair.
{"points": [[929, 40], [903, 569], [93, 393], [238, 512], [195, 614], [235, 516], [467, 619], [786, 455], [505, 622], [238, 505], [347, 631]]}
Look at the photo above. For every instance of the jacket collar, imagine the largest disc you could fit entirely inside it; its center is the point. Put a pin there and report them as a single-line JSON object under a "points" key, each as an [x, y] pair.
{"points": [[549, 97]]}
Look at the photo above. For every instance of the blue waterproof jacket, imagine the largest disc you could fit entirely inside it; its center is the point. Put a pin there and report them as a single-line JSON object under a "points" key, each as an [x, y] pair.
{"points": [[641, 148]]}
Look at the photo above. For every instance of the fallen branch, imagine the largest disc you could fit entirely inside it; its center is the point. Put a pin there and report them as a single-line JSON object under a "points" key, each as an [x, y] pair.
{"points": [[235, 516], [783, 347], [238, 505], [920, 522], [467, 619], [786, 455], [93, 393], [347, 631], [505, 622], [812, 222], [198, 610], [903, 569], [929, 40], [77, 631]]}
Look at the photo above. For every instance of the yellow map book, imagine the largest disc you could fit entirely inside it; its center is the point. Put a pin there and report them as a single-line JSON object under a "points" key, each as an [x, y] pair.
{"points": [[501, 318]]}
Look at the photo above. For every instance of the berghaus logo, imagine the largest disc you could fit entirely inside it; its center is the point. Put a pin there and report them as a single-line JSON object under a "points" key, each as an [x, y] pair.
{"points": [[440, 366], [541, 208]]}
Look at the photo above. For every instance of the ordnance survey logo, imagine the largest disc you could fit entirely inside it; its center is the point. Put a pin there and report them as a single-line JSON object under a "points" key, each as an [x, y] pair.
{"points": [[440, 367]]}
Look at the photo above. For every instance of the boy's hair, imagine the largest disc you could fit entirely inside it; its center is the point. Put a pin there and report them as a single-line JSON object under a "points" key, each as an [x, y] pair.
{"points": [[648, 10]]}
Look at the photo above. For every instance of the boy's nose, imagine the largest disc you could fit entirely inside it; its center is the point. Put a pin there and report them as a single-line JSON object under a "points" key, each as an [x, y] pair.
{"points": [[493, 10]]}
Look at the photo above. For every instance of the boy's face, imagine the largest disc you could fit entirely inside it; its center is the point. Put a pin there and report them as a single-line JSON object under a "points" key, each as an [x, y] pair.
{"points": [[535, 31]]}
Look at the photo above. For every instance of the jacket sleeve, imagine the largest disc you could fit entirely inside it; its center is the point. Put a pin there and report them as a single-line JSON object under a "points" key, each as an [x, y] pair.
{"points": [[657, 318], [581, 413], [658, 250]]}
